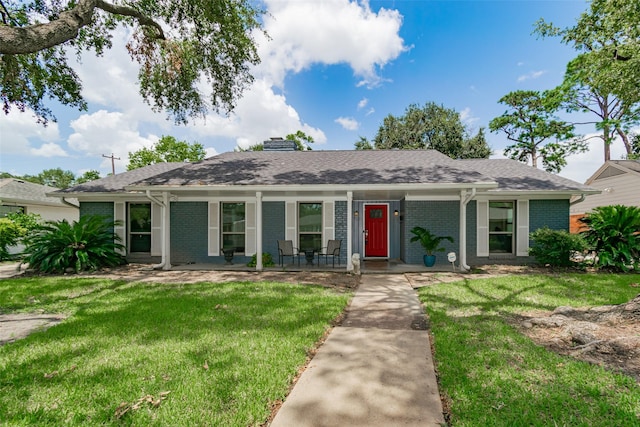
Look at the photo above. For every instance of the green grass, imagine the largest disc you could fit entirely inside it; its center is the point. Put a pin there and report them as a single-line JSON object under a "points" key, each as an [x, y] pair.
{"points": [[224, 352], [494, 376]]}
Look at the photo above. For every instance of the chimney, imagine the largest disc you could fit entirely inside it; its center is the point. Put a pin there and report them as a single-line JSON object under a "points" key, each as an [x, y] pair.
{"points": [[279, 144]]}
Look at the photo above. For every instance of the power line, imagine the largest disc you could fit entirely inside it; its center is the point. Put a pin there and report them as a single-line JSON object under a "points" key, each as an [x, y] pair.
{"points": [[113, 165]]}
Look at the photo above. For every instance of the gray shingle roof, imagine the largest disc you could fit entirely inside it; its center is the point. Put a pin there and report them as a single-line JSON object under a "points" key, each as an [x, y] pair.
{"points": [[353, 167], [634, 165], [360, 167], [19, 191], [512, 175], [117, 183], [320, 167]]}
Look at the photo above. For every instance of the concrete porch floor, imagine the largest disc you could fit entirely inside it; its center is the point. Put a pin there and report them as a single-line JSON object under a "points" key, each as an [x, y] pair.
{"points": [[391, 266]]}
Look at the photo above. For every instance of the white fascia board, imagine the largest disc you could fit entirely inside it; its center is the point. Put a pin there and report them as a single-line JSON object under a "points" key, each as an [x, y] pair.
{"points": [[318, 187], [531, 195]]}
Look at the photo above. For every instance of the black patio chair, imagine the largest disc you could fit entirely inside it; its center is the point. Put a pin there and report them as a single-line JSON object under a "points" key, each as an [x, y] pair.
{"points": [[285, 249], [331, 250]]}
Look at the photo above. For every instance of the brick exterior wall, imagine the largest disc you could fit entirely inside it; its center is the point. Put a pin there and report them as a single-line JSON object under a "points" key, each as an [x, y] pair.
{"points": [[189, 235], [551, 213], [440, 217], [97, 208], [340, 212], [273, 227]]}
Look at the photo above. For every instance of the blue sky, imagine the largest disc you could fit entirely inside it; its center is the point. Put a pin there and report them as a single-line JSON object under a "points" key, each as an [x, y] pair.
{"points": [[333, 69]]}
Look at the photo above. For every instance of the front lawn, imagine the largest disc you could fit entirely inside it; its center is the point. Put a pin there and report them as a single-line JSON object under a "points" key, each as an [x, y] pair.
{"points": [[158, 354], [491, 375]]}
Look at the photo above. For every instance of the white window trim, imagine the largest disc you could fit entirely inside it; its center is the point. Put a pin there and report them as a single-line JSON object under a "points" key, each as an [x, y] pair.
{"points": [[521, 227]]}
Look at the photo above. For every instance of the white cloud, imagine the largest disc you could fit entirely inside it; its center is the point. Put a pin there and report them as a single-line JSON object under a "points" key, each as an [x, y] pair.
{"points": [[531, 75], [20, 129], [347, 123], [329, 32], [467, 117], [520, 64], [105, 133], [259, 115], [370, 111], [363, 103], [49, 149]]}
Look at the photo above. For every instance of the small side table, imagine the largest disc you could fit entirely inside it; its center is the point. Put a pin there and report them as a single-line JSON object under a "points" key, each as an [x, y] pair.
{"points": [[309, 255]]}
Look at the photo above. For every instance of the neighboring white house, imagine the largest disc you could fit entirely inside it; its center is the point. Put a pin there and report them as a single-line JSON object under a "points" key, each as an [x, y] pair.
{"points": [[619, 183], [21, 196]]}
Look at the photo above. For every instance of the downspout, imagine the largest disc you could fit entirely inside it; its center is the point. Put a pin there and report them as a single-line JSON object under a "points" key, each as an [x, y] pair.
{"points": [[580, 200], [63, 200], [163, 260], [464, 201], [259, 266], [349, 230]]}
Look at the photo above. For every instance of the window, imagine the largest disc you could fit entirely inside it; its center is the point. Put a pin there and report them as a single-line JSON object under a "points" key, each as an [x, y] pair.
{"points": [[4, 210], [501, 216], [233, 227], [139, 227], [310, 226]]}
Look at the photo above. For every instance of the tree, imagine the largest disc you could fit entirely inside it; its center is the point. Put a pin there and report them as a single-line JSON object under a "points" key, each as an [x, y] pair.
{"points": [[177, 44], [604, 79], [301, 139], [430, 127], [363, 144], [90, 175], [57, 178], [167, 149], [530, 122]]}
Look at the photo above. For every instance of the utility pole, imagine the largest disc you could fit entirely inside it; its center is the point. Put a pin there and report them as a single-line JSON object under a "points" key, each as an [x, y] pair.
{"points": [[113, 165]]}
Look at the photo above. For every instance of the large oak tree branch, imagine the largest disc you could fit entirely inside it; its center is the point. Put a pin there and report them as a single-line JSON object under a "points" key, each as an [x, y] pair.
{"points": [[34, 38]]}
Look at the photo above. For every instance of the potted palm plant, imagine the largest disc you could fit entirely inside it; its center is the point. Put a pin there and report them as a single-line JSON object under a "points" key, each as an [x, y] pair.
{"points": [[430, 242]]}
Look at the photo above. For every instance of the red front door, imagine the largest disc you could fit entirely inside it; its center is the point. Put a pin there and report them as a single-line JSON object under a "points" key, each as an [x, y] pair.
{"points": [[376, 242]]}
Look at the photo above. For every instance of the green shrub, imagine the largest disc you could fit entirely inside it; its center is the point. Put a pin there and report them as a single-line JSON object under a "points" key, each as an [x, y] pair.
{"points": [[267, 260], [87, 244], [29, 221], [555, 247], [613, 235], [10, 234]]}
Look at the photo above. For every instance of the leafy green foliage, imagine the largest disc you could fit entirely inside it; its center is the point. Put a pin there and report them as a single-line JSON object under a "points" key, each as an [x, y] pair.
{"points": [[430, 127], [614, 235], [530, 121], [363, 144], [167, 149], [429, 241], [204, 41], [267, 260], [301, 139], [555, 247], [15, 227], [90, 175], [86, 244], [56, 177], [10, 234], [603, 79]]}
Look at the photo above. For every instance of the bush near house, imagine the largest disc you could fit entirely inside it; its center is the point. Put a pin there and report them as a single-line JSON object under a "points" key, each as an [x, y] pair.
{"points": [[10, 234], [555, 247], [614, 236], [86, 244], [13, 229]]}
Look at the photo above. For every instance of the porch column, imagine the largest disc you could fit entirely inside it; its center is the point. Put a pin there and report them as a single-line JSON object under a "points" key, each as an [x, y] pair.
{"points": [[349, 229], [464, 200], [259, 231]]}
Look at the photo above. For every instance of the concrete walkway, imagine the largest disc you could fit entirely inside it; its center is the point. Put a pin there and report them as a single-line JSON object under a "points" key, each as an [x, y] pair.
{"points": [[374, 370]]}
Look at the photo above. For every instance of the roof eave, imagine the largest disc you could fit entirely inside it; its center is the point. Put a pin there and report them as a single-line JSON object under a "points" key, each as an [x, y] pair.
{"points": [[316, 187]]}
